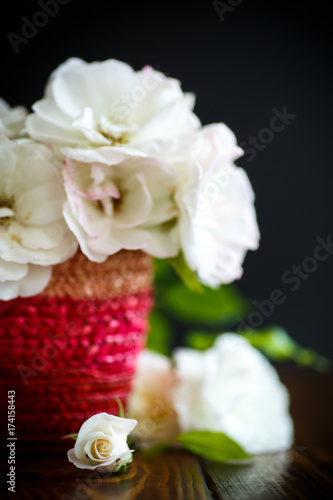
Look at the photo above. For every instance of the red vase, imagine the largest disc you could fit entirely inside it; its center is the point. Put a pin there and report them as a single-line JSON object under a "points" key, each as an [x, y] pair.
{"points": [[70, 350]]}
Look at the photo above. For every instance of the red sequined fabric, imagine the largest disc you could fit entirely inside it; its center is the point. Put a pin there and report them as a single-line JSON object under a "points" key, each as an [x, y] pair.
{"points": [[67, 359]]}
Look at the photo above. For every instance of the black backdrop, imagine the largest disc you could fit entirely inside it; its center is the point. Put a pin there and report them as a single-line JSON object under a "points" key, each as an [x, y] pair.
{"points": [[247, 62]]}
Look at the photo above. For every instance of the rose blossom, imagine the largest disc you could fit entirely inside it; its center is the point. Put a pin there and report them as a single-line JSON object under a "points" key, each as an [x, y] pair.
{"points": [[12, 120], [217, 222], [232, 388], [127, 205], [33, 232], [109, 104], [150, 400], [101, 443]]}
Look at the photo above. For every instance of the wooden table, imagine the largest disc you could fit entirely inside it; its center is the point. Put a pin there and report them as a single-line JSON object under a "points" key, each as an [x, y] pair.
{"points": [[304, 472]]}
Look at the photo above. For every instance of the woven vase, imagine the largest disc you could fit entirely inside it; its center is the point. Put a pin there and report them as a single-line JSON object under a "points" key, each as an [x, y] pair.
{"points": [[70, 350]]}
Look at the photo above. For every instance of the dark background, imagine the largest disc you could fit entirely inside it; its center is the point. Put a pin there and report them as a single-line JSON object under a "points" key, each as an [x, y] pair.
{"points": [[262, 55]]}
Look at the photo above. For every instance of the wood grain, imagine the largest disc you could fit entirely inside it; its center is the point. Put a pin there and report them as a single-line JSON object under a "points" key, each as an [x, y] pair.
{"points": [[302, 473]]}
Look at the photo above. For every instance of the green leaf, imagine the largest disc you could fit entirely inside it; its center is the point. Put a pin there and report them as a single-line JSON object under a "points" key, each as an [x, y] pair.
{"points": [[200, 340], [214, 307], [160, 334], [164, 273], [185, 273], [215, 446], [72, 436], [276, 344], [121, 413], [122, 469]]}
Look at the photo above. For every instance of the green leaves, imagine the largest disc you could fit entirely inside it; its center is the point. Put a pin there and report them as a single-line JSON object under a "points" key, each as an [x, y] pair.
{"points": [[221, 306], [200, 340], [71, 436], [276, 344], [160, 334], [215, 446], [121, 412], [185, 273], [196, 319]]}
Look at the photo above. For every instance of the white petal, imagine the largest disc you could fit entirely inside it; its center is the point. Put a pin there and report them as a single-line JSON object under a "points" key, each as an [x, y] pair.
{"points": [[35, 281], [12, 271], [40, 205], [239, 392], [81, 235], [108, 155], [103, 422]]}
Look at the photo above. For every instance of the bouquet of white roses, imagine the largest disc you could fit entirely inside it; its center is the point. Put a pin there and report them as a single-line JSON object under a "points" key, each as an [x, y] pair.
{"points": [[111, 159]]}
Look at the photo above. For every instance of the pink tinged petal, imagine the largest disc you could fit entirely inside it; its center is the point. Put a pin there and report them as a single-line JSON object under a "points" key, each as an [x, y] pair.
{"points": [[134, 206], [90, 216], [217, 139], [41, 205], [97, 174], [81, 235]]}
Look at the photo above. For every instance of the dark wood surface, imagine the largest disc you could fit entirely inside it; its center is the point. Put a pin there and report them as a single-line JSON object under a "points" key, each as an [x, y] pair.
{"points": [[304, 472]]}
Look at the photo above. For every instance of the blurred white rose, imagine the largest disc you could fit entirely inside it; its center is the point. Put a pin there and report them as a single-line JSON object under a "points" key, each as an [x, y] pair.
{"points": [[150, 400], [232, 388], [109, 104], [101, 443], [127, 205], [12, 120], [217, 222], [33, 232]]}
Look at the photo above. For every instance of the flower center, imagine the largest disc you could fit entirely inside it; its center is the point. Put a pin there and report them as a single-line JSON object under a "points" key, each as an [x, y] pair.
{"points": [[7, 204], [115, 131], [101, 448]]}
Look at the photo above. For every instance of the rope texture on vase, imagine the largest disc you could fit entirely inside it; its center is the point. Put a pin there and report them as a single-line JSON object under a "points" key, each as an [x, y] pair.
{"points": [[70, 350]]}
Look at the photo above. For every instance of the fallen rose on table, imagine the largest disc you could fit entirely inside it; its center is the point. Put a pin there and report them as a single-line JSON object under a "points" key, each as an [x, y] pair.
{"points": [[101, 444], [224, 404]]}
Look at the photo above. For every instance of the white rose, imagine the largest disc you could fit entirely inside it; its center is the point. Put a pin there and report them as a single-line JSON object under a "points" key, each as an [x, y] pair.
{"points": [[101, 443], [109, 104], [128, 205], [150, 399], [22, 280], [217, 222], [33, 232], [232, 388], [12, 120]]}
